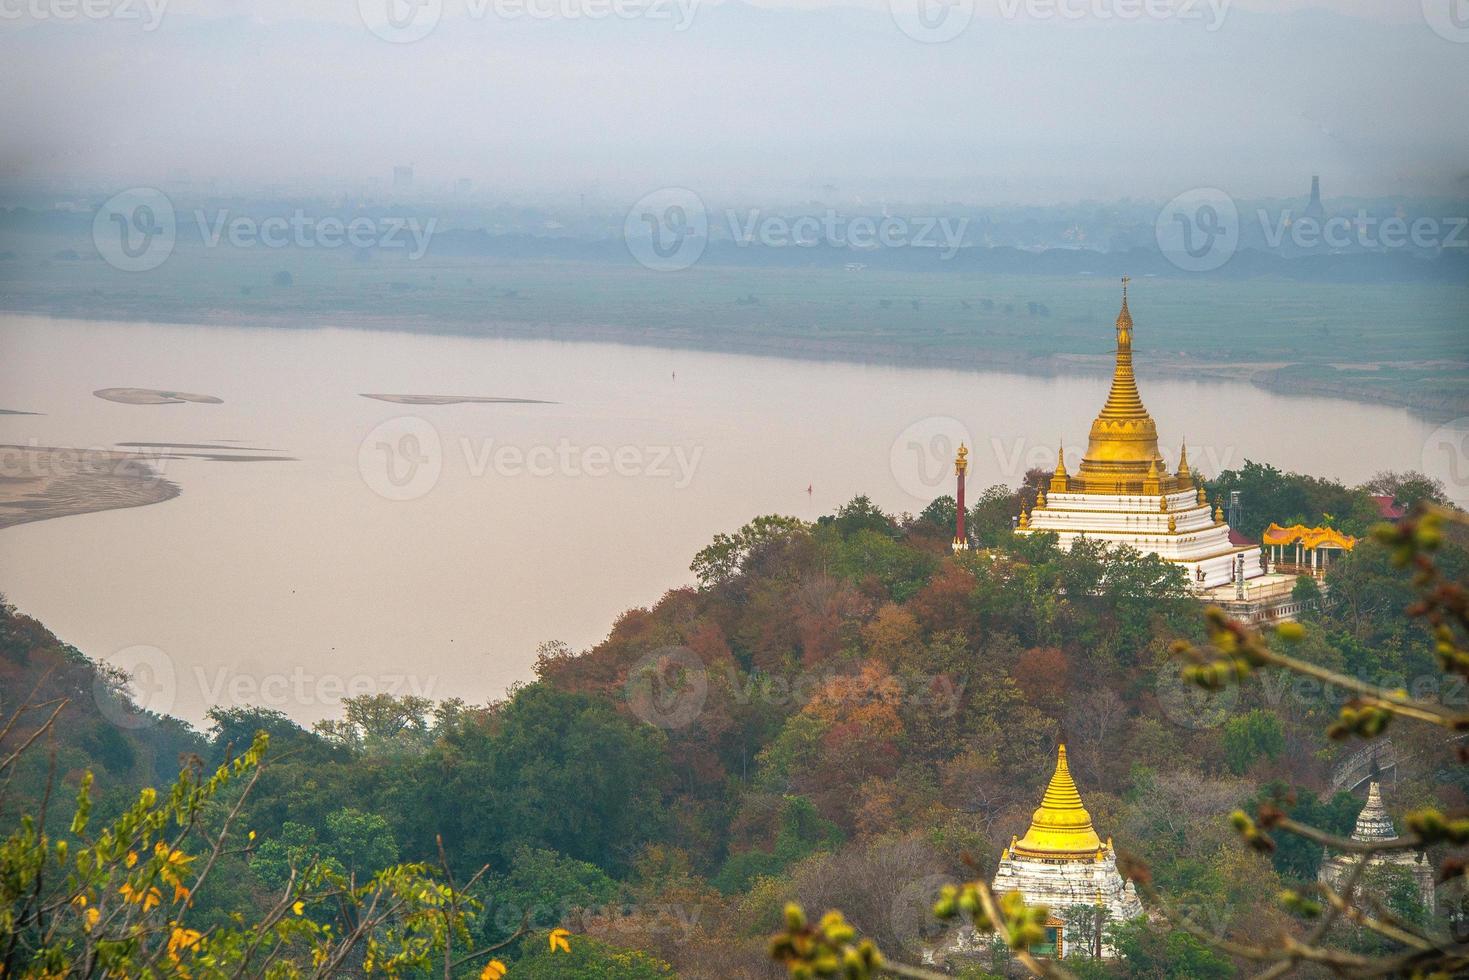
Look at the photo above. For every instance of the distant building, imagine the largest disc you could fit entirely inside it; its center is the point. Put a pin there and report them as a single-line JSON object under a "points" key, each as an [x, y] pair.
{"points": [[1374, 825], [403, 177], [1314, 208]]}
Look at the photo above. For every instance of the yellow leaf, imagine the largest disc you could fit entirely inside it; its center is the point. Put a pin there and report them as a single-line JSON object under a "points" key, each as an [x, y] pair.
{"points": [[298, 907], [558, 940], [493, 970], [180, 893], [89, 918], [132, 858]]}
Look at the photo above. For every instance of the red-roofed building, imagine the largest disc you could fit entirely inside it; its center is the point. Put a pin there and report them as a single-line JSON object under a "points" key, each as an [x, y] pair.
{"points": [[1387, 507]]}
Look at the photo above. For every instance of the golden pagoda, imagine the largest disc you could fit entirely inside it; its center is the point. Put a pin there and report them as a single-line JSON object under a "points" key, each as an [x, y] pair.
{"points": [[1123, 492], [1062, 826], [1122, 450], [1061, 863]]}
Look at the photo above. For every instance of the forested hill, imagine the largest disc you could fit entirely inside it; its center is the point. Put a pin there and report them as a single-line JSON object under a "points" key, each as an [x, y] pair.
{"points": [[838, 713]]}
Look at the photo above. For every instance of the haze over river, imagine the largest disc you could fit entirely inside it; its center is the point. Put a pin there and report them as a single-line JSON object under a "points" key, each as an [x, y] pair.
{"points": [[417, 547]]}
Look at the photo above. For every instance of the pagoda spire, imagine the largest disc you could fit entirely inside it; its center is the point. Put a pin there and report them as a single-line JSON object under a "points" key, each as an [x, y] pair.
{"points": [[961, 467], [1060, 480], [1184, 473], [1123, 401]]}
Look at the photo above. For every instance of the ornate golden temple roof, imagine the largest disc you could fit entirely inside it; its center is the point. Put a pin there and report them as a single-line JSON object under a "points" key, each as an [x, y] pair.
{"points": [[1062, 827], [1309, 537]]}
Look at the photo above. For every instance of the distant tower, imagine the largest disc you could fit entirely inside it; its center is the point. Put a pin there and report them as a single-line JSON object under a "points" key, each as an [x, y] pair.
{"points": [[1315, 209], [961, 467], [1236, 510], [403, 177]]}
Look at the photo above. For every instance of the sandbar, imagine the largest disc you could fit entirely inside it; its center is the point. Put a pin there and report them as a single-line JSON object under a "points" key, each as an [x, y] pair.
{"points": [[38, 483], [153, 396]]}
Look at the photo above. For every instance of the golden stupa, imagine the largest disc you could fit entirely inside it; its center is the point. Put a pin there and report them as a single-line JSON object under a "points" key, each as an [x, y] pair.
{"points": [[1061, 828], [1122, 454]]}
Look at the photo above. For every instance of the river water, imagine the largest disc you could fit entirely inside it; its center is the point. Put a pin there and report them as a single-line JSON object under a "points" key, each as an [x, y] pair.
{"points": [[429, 548]]}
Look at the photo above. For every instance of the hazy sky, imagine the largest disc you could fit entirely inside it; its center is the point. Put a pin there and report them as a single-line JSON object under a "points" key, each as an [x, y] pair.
{"points": [[1031, 101]]}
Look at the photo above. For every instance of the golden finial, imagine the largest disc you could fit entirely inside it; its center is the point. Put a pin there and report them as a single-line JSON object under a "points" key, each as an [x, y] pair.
{"points": [[1183, 470], [1172, 524], [1124, 316], [1040, 500], [1203, 495], [1218, 513], [961, 460], [1060, 459], [1024, 518], [1163, 503]]}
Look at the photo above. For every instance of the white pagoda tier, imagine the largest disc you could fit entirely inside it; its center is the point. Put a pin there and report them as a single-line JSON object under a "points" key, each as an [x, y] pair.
{"points": [[1124, 493]]}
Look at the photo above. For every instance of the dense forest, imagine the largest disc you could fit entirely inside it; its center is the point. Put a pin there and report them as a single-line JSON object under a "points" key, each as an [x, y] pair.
{"points": [[845, 714]]}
